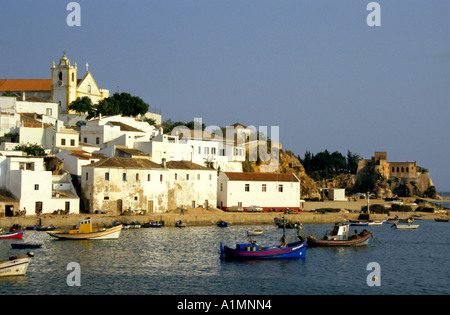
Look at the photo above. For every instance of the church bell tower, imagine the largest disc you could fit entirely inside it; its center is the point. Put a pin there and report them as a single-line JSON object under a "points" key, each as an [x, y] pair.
{"points": [[64, 83]]}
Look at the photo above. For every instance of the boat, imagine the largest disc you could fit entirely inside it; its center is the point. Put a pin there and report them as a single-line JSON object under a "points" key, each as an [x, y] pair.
{"points": [[282, 223], [377, 222], [392, 221], [83, 231], [440, 220], [254, 232], [405, 226], [180, 223], [252, 250], [25, 245], [15, 265], [222, 223], [409, 220], [15, 228], [11, 235], [359, 222], [339, 237], [135, 225], [153, 224]]}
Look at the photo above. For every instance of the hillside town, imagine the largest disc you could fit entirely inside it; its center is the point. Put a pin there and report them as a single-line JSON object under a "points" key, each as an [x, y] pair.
{"points": [[116, 163]]}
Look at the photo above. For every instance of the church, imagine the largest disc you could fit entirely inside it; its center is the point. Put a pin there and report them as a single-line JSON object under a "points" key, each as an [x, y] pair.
{"points": [[63, 88]]}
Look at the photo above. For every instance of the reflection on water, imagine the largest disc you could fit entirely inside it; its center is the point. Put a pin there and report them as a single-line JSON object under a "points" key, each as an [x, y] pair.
{"points": [[186, 261]]}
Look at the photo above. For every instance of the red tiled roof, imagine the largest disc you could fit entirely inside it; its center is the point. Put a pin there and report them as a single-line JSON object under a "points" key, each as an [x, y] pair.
{"points": [[19, 85], [261, 177]]}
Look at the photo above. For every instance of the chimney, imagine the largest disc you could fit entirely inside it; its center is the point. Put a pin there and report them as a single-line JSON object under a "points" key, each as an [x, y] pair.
{"points": [[163, 163], [23, 96]]}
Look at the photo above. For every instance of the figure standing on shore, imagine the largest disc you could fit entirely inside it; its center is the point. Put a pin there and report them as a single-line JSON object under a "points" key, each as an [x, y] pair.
{"points": [[182, 210]]}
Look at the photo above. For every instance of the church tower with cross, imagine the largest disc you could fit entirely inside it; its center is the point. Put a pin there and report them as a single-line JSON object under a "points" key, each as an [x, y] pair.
{"points": [[66, 87]]}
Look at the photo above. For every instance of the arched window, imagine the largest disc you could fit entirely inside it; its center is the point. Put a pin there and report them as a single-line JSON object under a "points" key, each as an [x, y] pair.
{"points": [[89, 88], [60, 76], [407, 169], [393, 169], [73, 77], [398, 170], [402, 169]]}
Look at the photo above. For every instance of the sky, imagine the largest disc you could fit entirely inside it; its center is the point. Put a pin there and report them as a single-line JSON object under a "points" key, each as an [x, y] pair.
{"points": [[314, 68]]}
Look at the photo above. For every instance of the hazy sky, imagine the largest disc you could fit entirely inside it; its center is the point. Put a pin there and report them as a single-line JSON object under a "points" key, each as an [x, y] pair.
{"points": [[314, 68]]}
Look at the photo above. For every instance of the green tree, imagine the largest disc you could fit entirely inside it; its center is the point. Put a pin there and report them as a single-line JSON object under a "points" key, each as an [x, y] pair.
{"points": [[31, 149], [121, 104], [82, 105], [352, 162]]}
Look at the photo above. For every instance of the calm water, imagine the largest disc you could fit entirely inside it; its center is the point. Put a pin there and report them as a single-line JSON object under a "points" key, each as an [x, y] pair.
{"points": [[186, 261]]}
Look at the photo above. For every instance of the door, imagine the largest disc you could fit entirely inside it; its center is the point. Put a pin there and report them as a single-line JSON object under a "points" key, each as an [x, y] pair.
{"points": [[67, 206], [149, 206], [38, 207], [9, 211], [119, 205], [193, 203]]}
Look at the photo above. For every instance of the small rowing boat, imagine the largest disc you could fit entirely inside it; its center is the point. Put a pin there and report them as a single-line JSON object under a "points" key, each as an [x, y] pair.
{"points": [[15, 266], [83, 231], [254, 232], [222, 223], [25, 245], [405, 226], [11, 235]]}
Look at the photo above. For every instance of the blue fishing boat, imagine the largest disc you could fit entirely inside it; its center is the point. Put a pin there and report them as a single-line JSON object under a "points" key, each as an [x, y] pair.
{"points": [[222, 223], [25, 245], [252, 250], [359, 222]]}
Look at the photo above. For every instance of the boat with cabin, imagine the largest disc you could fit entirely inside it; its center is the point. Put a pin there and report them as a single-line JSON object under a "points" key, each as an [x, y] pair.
{"points": [[339, 236], [83, 231], [405, 226]]}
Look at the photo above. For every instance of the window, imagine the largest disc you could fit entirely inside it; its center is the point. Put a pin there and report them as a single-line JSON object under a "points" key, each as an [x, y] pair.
{"points": [[176, 176], [198, 176], [213, 151], [60, 76], [97, 140], [137, 176], [106, 198], [206, 150], [221, 186], [149, 177], [48, 111], [72, 142], [124, 176], [87, 176], [210, 177], [85, 140], [240, 204], [73, 76], [280, 188], [247, 187], [135, 197], [63, 141], [161, 178], [187, 176], [106, 176], [264, 188], [199, 150], [36, 187]]}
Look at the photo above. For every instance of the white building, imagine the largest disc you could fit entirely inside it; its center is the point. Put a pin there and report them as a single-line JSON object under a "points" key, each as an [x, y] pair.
{"points": [[199, 147], [117, 184], [36, 188], [74, 159], [336, 194], [271, 191]]}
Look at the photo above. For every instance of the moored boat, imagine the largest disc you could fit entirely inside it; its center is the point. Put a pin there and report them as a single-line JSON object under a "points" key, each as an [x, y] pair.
{"points": [[180, 223], [377, 222], [254, 232], [83, 231], [222, 223], [359, 222], [153, 224], [405, 226], [15, 266], [440, 220], [11, 235], [25, 245], [339, 237]]}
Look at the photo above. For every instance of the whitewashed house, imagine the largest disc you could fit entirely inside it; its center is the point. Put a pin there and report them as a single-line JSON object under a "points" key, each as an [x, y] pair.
{"points": [[199, 147], [271, 191], [74, 159], [116, 184], [36, 188]]}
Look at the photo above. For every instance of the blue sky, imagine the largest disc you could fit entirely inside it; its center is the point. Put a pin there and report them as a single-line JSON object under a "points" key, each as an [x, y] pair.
{"points": [[313, 68]]}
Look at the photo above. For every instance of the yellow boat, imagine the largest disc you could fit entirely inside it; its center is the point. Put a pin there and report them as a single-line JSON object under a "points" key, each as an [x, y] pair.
{"points": [[83, 231]]}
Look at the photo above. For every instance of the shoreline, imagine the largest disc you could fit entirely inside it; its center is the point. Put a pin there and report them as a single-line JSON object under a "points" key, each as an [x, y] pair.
{"points": [[202, 217]]}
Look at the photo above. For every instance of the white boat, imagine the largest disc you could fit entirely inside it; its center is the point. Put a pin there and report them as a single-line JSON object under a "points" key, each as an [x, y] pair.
{"points": [[377, 222], [254, 232], [83, 231], [15, 266], [405, 226]]}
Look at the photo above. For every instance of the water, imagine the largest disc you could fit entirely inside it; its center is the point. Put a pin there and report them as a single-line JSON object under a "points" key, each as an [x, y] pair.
{"points": [[185, 261]]}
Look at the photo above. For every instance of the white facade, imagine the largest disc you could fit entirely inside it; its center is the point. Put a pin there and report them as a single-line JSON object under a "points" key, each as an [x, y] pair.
{"points": [[117, 184], [336, 194], [35, 188], [271, 191], [73, 160]]}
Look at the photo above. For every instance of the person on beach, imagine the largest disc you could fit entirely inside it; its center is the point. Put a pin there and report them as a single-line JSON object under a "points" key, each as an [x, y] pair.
{"points": [[182, 210]]}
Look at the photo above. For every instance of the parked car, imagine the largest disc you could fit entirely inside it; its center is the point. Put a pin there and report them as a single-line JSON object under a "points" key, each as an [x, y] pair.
{"points": [[235, 209], [255, 209]]}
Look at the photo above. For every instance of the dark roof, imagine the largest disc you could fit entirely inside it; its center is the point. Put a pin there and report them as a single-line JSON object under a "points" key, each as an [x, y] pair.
{"points": [[124, 127], [261, 177], [187, 165], [117, 162], [131, 151]]}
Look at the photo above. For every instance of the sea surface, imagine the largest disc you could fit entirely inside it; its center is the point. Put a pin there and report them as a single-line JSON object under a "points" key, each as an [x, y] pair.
{"points": [[185, 261]]}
